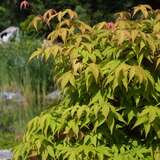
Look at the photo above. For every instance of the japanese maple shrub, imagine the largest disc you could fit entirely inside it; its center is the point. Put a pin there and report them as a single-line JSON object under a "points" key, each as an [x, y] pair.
{"points": [[109, 78]]}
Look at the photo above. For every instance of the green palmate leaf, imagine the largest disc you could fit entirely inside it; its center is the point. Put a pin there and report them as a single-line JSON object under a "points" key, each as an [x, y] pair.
{"points": [[143, 76], [156, 154], [44, 155], [94, 140], [157, 85], [67, 78], [119, 77], [109, 67], [142, 45], [111, 122], [125, 80], [148, 118], [54, 50], [141, 120], [104, 151], [152, 43], [47, 53], [147, 128], [94, 69], [105, 110], [158, 62], [156, 27], [140, 59], [137, 100], [123, 35], [131, 115], [88, 79], [156, 127], [50, 151], [37, 53], [74, 126], [32, 126], [139, 73], [88, 46], [97, 98]]}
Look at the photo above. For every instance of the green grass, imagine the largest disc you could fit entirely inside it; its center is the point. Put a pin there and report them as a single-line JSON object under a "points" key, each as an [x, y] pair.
{"points": [[32, 80], [7, 140]]}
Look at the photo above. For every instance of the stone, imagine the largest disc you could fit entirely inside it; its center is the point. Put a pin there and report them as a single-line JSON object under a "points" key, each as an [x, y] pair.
{"points": [[5, 155], [8, 34], [14, 96], [53, 96]]}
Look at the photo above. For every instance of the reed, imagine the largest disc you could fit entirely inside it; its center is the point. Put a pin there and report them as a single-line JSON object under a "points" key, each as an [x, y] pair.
{"points": [[30, 80]]}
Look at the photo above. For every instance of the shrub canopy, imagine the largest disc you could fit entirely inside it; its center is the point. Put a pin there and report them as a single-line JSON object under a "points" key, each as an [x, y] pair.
{"points": [[109, 78]]}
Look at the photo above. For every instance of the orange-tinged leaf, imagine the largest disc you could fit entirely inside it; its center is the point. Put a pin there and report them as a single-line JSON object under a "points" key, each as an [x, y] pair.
{"points": [[64, 23], [63, 34], [35, 21], [71, 13], [101, 25], [134, 34], [48, 15], [50, 18], [83, 27], [37, 53], [123, 15], [122, 35], [60, 16], [142, 8]]}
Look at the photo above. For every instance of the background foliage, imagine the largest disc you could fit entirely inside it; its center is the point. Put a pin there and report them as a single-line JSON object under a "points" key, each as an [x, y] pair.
{"points": [[32, 81], [12, 14]]}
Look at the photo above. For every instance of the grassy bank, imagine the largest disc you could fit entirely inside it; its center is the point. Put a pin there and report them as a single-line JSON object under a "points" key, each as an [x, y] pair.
{"points": [[29, 80]]}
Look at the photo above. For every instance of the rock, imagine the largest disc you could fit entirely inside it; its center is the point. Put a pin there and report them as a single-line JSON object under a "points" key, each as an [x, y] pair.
{"points": [[53, 96], [8, 34], [5, 155], [11, 96]]}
